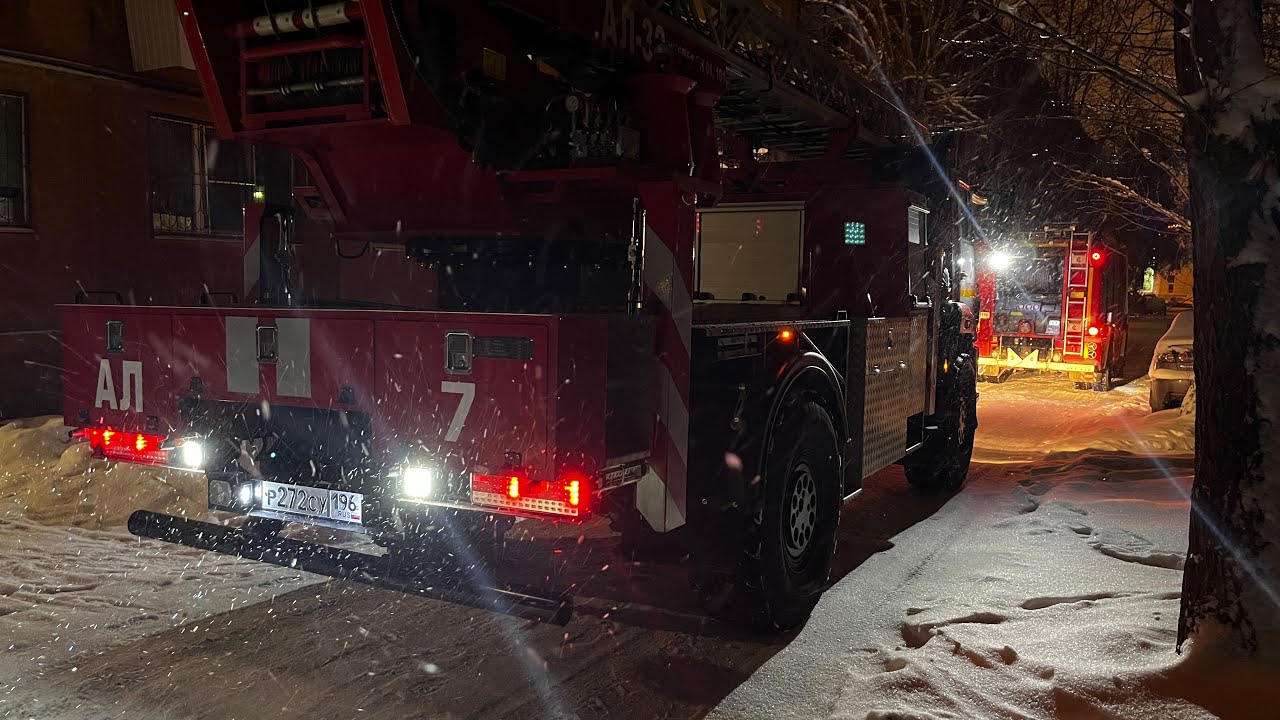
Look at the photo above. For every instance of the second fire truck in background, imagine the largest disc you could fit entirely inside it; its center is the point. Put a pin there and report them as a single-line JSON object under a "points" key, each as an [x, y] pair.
{"points": [[1057, 302]]}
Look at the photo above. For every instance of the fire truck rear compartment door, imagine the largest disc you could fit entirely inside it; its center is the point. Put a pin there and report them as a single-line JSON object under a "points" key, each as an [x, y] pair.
{"points": [[473, 388], [117, 368], [316, 360]]}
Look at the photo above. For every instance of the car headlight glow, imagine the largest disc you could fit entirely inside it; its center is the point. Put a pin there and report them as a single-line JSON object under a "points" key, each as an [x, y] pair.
{"points": [[191, 454], [417, 482]]}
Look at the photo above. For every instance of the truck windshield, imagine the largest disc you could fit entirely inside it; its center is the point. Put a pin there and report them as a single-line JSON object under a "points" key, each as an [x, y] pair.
{"points": [[1029, 292]]}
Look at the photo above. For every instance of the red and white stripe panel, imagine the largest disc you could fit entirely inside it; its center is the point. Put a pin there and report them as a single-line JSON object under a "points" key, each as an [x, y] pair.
{"points": [[292, 362], [668, 271]]}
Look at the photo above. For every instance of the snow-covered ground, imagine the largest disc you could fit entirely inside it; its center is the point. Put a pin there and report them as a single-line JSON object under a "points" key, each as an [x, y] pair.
{"points": [[1047, 588], [1033, 415], [74, 582], [1050, 590]]}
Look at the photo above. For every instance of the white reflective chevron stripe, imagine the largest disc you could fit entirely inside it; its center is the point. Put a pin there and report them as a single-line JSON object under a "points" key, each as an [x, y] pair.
{"points": [[653, 499], [661, 493], [252, 268], [656, 505], [242, 355], [293, 362], [674, 414], [667, 284]]}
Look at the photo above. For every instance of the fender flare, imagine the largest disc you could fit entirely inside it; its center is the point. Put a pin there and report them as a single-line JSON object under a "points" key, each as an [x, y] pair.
{"points": [[813, 371]]}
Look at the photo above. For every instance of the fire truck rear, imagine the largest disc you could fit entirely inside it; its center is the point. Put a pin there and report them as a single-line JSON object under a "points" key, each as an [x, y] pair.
{"points": [[1057, 302], [637, 314]]}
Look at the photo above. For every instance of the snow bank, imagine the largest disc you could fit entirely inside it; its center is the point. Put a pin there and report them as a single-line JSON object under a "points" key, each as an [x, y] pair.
{"points": [[47, 478]]}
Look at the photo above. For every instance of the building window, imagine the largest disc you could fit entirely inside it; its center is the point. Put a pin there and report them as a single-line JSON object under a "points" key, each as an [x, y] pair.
{"points": [[13, 160], [200, 184]]}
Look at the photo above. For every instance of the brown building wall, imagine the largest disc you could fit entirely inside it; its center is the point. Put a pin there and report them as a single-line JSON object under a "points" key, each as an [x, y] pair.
{"points": [[89, 219], [92, 32]]}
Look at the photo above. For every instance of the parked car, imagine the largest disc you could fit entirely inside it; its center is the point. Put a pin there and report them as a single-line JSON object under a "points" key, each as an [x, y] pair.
{"points": [[1171, 364], [1140, 304]]}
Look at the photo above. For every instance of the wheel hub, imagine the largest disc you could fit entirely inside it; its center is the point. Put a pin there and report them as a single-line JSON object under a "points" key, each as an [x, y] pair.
{"points": [[802, 512]]}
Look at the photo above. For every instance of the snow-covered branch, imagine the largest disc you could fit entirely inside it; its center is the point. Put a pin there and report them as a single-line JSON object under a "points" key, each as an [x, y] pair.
{"points": [[937, 56], [1055, 40], [1127, 196]]}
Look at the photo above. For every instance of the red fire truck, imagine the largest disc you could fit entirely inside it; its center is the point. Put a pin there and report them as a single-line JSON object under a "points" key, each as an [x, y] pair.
{"points": [[1057, 302], [674, 286]]}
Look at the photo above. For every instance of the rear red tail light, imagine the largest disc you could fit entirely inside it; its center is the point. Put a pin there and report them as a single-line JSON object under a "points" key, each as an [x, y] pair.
{"points": [[140, 448], [567, 497]]}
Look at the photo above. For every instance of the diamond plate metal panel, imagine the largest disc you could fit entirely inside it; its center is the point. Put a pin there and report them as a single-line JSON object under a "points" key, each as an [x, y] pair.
{"points": [[891, 354], [916, 394]]}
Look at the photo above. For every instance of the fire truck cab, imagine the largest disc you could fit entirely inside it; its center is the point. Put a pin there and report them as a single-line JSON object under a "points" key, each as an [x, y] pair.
{"points": [[1057, 302], [653, 302]]}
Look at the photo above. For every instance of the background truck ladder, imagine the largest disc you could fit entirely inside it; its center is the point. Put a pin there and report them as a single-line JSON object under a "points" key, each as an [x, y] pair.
{"points": [[1077, 292]]}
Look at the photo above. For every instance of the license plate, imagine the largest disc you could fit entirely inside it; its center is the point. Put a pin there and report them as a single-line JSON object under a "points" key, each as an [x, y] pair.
{"points": [[315, 502]]}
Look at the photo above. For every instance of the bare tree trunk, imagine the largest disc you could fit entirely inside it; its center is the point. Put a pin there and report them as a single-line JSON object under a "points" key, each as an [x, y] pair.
{"points": [[1229, 599]]}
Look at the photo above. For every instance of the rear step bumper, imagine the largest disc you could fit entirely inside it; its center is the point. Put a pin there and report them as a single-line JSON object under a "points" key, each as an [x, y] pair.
{"points": [[348, 565]]}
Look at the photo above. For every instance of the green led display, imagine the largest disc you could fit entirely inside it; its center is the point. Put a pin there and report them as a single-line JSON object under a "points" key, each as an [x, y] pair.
{"points": [[855, 233]]}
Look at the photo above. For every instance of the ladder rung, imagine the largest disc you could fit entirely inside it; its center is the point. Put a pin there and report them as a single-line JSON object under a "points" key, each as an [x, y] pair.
{"points": [[332, 42]]}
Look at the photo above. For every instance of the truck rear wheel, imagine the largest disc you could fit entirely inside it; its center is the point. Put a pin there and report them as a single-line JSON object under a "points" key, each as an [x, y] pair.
{"points": [[943, 462], [795, 530]]}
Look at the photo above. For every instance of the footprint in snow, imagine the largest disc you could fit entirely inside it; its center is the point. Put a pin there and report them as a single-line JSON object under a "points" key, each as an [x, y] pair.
{"points": [[915, 635], [1129, 547], [1040, 603]]}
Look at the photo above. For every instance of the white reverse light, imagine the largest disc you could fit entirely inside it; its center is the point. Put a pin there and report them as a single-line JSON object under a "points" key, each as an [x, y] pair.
{"points": [[417, 482], [245, 494], [192, 454], [999, 260]]}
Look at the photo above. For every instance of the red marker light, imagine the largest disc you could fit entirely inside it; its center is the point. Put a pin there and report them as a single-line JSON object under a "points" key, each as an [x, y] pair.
{"points": [[140, 448], [1093, 331], [786, 336]]}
